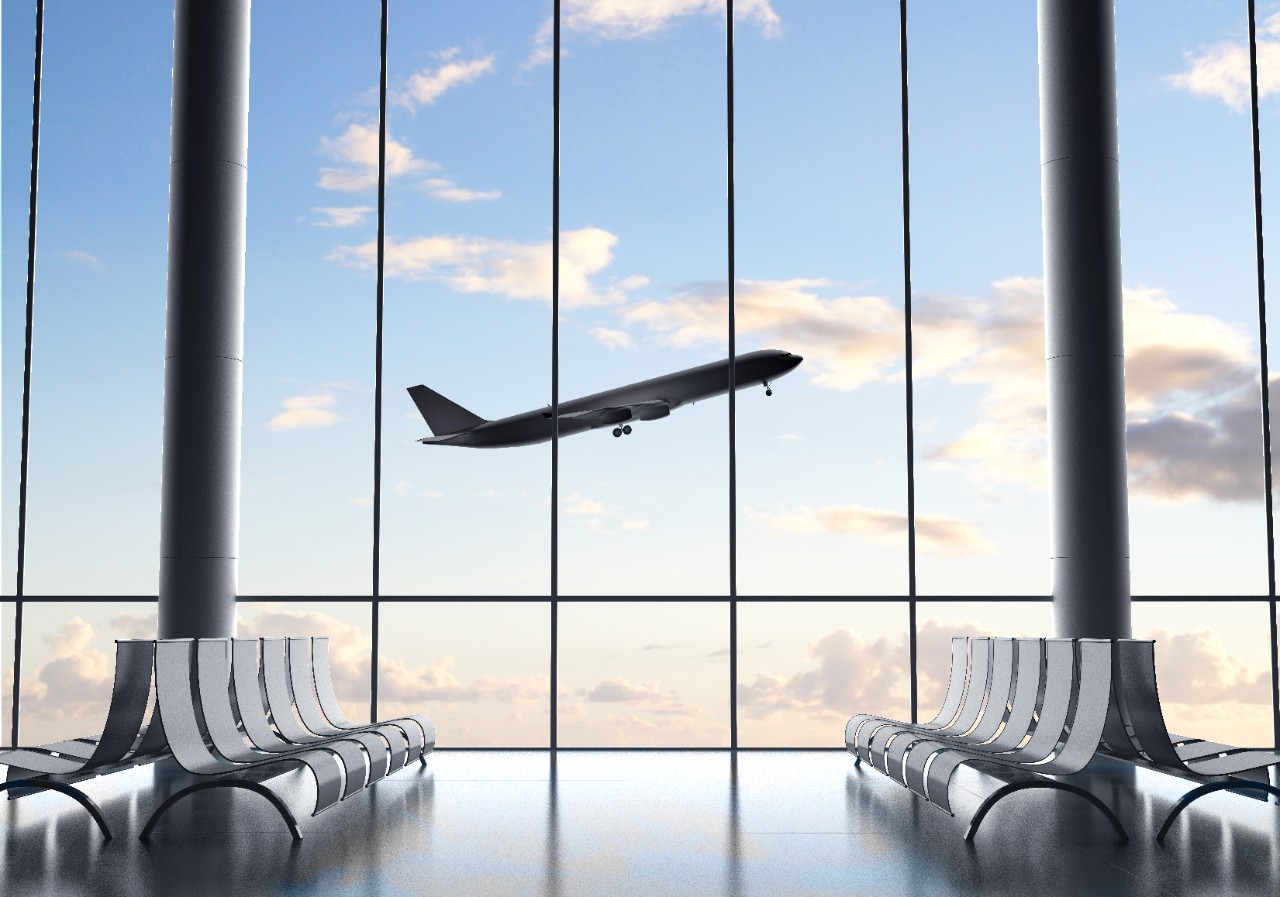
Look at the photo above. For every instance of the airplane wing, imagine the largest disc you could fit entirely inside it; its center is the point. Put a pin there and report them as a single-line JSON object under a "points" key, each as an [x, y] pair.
{"points": [[617, 414]]}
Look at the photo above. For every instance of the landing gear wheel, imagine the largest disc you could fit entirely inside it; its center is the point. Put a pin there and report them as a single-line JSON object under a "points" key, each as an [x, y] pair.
{"points": [[768, 391], [627, 429], [617, 431]]}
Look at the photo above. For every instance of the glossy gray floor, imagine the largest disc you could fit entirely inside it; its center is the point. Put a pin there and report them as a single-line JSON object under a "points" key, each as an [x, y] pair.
{"points": [[650, 823]]}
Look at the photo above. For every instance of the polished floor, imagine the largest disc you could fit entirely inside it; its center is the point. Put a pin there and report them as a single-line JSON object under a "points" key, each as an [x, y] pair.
{"points": [[659, 824]]}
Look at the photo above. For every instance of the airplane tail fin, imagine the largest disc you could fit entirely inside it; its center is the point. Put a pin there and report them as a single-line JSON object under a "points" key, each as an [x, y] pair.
{"points": [[442, 415]]}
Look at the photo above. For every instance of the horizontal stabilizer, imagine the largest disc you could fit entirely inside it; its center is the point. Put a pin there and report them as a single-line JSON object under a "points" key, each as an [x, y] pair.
{"points": [[442, 415]]}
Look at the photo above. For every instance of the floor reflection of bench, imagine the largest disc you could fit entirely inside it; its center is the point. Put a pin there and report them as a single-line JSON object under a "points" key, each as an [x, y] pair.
{"points": [[1035, 707], [230, 717], [1042, 707]]}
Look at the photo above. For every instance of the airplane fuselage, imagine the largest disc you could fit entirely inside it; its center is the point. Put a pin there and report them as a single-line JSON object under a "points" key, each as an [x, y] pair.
{"points": [[645, 400]]}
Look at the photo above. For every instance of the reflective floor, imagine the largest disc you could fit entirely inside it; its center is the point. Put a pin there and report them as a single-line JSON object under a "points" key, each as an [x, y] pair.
{"points": [[651, 823]]}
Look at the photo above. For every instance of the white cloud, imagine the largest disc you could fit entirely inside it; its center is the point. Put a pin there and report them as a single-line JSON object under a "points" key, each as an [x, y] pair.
{"points": [[357, 150], [846, 342], [85, 259], [426, 684], [404, 487], [346, 216], [1190, 378], [505, 268], [428, 85], [1221, 71], [790, 437], [649, 695], [612, 339], [306, 413], [846, 675], [626, 19], [447, 191], [635, 525], [935, 533], [630, 19]]}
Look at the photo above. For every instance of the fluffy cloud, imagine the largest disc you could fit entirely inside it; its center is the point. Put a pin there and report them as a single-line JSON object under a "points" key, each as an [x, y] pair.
{"points": [[1221, 71], [629, 19], [936, 533], [847, 341], [648, 695], [1190, 387], [626, 19], [306, 413], [356, 149], [425, 684], [505, 268], [429, 84], [346, 216], [611, 339], [846, 674], [447, 191], [68, 693]]}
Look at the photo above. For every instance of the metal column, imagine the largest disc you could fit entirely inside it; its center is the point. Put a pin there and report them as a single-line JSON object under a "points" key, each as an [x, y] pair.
{"points": [[1084, 338], [204, 332]]}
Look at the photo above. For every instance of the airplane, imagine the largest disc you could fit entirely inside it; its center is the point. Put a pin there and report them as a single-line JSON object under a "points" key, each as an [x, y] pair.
{"points": [[451, 424]]}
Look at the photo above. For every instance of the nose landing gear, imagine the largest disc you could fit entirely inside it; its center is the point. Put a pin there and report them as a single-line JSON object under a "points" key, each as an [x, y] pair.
{"points": [[768, 390], [622, 431]]}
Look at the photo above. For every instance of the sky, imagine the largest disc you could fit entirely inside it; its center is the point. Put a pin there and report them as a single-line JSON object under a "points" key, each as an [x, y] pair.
{"points": [[821, 465]]}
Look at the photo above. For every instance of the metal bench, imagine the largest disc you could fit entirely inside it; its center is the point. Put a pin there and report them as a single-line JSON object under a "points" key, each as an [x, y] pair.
{"points": [[1033, 707], [1135, 731], [208, 727], [125, 741]]}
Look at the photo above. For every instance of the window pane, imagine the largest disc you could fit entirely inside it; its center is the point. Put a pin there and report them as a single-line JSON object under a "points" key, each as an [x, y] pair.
{"points": [[16, 57], [8, 613], [982, 509], [644, 674], [1191, 304], [822, 465], [481, 671], [805, 668], [468, 264], [939, 623], [644, 294], [306, 524], [1214, 667], [348, 626], [93, 509], [68, 665]]}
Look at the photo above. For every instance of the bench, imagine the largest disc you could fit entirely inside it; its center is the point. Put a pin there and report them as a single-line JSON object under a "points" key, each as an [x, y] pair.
{"points": [[220, 728], [1042, 707], [125, 742], [1035, 707], [1136, 732], [221, 713]]}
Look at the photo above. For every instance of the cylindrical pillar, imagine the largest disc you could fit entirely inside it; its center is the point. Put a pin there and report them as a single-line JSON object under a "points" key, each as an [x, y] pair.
{"points": [[1084, 333], [204, 327]]}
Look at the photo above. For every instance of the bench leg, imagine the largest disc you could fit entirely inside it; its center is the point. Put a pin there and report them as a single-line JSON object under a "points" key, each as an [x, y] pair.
{"points": [[1043, 783], [1197, 793], [74, 793], [289, 820]]}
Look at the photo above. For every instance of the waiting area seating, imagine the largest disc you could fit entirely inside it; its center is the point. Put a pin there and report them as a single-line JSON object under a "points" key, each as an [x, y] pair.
{"points": [[240, 711], [1046, 707]]}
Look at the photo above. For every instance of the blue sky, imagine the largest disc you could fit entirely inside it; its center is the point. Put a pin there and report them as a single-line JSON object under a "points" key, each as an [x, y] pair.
{"points": [[822, 492]]}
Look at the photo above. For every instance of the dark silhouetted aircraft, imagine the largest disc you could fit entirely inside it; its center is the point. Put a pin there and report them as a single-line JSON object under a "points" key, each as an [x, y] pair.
{"points": [[451, 424]]}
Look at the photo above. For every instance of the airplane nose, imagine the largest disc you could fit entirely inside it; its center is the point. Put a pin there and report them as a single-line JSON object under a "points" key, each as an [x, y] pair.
{"points": [[793, 359]]}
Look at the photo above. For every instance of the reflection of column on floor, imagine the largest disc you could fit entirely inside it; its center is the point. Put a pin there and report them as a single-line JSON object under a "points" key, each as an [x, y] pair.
{"points": [[733, 839], [551, 860]]}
